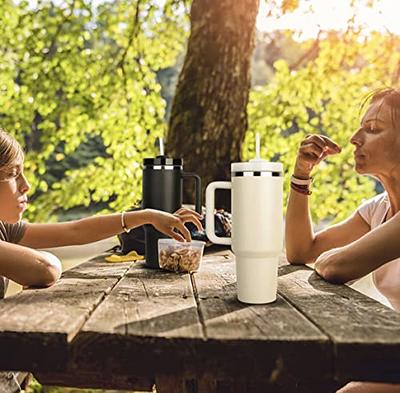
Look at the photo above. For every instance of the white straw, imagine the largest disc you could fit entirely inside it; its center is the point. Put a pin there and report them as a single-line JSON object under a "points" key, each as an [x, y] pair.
{"points": [[161, 141], [257, 146]]}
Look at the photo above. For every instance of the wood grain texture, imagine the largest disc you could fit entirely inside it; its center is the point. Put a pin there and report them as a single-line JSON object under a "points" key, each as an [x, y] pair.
{"points": [[37, 325], [145, 326], [124, 326], [268, 342], [365, 334], [79, 379], [208, 384]]}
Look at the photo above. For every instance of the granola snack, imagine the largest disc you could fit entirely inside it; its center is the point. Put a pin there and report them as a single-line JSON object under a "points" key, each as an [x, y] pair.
{"points": [[180, 259]]}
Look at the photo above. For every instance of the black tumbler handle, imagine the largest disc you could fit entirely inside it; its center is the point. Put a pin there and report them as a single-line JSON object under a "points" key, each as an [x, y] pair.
{"points": [[197, 189]]}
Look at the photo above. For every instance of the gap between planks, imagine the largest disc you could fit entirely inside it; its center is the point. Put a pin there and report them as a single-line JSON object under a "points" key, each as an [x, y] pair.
{"points": [[198, 307], [106, 293]]}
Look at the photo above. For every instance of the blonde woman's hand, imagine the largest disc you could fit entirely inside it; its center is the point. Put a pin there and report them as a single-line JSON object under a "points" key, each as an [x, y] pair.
{"points": [[313, 149], [168, 223]]}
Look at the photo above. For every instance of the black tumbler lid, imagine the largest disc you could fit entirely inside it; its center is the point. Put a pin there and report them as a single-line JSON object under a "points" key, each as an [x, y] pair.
{"points": [[162, 160]]}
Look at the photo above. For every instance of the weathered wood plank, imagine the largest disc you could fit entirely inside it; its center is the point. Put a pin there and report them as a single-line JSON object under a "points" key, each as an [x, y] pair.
{"points": [[208, 384], [365, 334], [37, 325], [264, 341], [146, 325], [98, 268], [142, 323], [171, 384], [101, 379]]}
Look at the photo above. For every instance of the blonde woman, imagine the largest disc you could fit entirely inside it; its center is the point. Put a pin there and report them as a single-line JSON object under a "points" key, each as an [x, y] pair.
{"points": [[368, 241]]}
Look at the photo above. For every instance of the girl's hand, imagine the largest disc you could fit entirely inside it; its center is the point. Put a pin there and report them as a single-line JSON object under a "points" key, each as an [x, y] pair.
{"points": [[167, 223], [312, 151]]}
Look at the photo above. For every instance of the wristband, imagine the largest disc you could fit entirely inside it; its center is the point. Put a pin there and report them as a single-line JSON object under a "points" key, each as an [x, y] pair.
{"points": [[301, 182], [124, 227]]}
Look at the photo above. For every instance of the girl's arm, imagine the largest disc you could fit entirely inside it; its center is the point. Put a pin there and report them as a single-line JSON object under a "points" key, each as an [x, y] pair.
{"points": [[96, 228], [28, 267]]}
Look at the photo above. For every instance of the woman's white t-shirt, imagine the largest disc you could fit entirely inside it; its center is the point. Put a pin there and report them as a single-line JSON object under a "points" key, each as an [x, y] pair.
{"points": [[387, 277]]}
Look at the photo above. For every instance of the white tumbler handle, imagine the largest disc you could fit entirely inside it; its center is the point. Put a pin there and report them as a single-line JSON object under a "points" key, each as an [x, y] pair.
{"points": [[210, 207]]}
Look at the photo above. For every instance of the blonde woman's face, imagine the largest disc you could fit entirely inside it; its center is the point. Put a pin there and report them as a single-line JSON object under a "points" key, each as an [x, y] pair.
{"points": [[377, 142], [13, 190]]}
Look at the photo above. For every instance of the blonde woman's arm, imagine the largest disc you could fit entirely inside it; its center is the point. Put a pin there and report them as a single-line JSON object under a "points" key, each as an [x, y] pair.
{"points": [[302, 244], [355, 260]]}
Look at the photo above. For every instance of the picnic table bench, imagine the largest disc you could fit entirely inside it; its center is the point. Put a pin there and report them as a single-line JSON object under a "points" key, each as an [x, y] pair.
{"points": [[123, 326]]}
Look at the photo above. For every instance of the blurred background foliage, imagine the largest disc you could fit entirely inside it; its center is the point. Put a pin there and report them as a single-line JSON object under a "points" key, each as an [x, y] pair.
{"points": [[324, 96], [86, 87], [79, 89]]}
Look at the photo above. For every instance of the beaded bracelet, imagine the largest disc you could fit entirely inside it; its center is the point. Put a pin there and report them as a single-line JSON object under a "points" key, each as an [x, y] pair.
{"points": [[300, 189]]}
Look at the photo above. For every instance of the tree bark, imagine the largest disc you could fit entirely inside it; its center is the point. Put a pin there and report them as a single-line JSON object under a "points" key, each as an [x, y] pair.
{"points": [[208, 117]]}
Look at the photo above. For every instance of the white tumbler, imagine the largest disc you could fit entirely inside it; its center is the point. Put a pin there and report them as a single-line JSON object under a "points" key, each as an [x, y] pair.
{"points": [[257, 226]]}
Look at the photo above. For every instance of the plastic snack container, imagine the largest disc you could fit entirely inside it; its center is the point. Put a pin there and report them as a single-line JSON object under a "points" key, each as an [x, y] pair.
{"points": [[180, 256]]}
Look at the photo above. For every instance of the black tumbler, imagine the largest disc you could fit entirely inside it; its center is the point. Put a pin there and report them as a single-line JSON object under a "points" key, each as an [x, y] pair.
{"points": [[162, 190]]}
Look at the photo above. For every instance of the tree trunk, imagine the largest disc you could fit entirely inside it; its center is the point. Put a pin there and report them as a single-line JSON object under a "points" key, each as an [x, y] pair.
{"points": [[208, 118]]}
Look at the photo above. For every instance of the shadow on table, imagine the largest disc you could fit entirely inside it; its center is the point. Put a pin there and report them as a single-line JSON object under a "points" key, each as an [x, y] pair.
{"points": [[173, 321], [215, 309]]}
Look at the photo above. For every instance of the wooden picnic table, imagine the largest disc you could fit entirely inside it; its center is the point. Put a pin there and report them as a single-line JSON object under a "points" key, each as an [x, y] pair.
{"points": [[123, 326]]}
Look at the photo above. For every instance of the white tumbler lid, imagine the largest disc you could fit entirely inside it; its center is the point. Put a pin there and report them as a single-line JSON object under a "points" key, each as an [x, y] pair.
{"points": [[257, 164]]}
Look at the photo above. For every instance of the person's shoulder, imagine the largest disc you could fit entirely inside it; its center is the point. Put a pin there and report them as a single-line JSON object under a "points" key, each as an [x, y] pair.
{"points": [[376, 200], [12, 232], [371, 207], [3, 231]]}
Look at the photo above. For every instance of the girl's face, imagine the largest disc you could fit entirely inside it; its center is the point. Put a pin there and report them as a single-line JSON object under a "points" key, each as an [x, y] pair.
{"points": [[377, 142], [13, 190]]}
